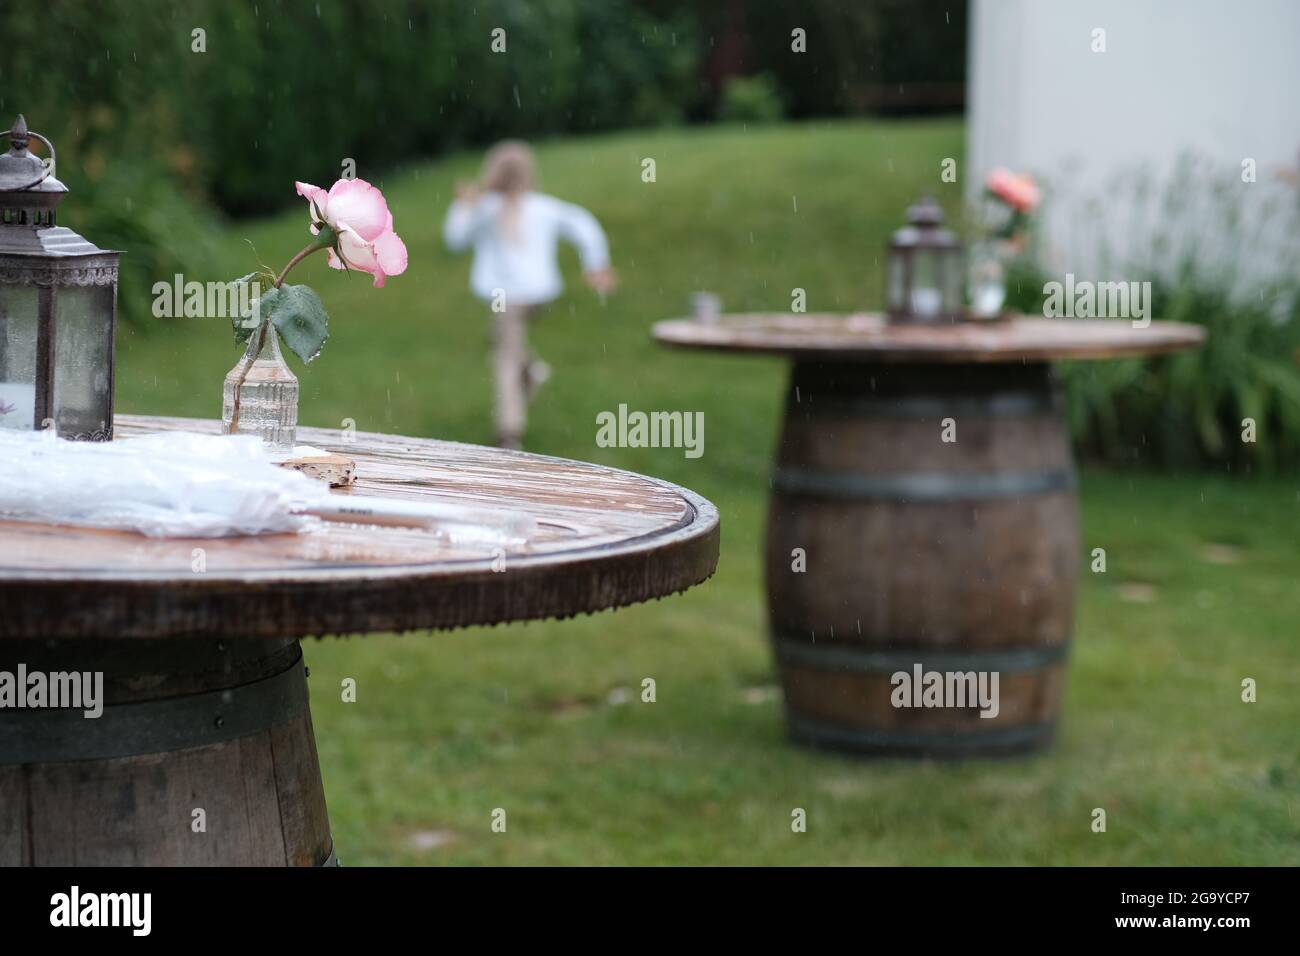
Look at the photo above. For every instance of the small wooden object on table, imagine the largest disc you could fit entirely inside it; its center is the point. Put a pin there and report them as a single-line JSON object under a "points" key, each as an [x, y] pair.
{"points": [[337, 470]]}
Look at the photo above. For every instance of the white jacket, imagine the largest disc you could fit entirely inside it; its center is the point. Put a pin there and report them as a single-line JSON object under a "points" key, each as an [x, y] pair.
{"points": [[522, 260]]}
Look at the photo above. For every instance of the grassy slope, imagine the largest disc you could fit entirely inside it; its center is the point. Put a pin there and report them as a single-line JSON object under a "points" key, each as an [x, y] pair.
{"points": [[448, 727]]}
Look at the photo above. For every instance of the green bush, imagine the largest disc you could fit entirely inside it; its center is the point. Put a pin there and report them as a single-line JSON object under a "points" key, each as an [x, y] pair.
{"points": [[1189, 409], [293, 87], [751, 99], [286, 89]]}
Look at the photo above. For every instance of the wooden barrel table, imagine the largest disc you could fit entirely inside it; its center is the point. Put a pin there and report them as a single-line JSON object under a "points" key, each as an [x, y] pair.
{"points": [[923, 543], [202, 751]]}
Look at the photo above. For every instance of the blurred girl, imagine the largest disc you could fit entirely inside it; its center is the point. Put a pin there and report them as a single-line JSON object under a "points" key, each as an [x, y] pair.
{"points": [[515, 233]]}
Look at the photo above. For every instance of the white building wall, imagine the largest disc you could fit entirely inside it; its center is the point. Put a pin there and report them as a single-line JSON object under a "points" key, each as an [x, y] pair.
{"points": [[1218, 79]]}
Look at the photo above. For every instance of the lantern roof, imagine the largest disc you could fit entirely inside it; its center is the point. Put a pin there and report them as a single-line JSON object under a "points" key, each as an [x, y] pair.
{"points": [[20, 171], [29, 194], [55, 242], [924, 227]]}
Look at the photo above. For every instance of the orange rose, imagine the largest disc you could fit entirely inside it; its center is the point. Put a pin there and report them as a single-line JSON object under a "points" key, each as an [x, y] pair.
{"points": [[1018, 192]]}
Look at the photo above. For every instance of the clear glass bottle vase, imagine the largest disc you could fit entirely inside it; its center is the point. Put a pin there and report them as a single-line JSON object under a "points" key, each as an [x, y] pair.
{"points": [[268, 396], [987, 278]]}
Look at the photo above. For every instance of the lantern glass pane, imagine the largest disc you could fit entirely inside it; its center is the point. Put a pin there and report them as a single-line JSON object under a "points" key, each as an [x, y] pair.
{"points": [[83, 356], [927, 294], [896, 293], [19, 327]]}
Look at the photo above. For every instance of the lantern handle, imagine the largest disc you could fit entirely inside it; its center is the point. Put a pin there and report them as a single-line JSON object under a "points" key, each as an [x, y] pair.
{"points": [[20, 134]]}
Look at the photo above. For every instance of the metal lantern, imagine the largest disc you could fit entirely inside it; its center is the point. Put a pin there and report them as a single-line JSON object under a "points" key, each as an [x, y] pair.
{"points": [[924, 280], [58, 306]]}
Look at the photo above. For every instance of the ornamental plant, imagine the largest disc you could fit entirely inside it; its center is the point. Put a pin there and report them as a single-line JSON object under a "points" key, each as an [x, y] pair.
{"points": [[352, 223], [1018, 195]]}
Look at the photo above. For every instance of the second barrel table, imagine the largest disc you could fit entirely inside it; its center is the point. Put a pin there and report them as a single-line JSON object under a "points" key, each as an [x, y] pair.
{"points": [[923, 543]]}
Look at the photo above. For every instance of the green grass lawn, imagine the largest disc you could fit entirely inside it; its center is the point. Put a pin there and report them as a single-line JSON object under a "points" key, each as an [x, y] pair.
{"points": [[1200, 590]]}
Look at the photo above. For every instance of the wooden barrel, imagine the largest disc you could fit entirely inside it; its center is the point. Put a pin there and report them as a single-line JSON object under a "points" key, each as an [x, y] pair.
{"points": [[203, 755], [892, 551]]}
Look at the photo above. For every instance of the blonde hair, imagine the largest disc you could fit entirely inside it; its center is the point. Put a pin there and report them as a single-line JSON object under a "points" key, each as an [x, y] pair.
{"points": [[508, 170]]}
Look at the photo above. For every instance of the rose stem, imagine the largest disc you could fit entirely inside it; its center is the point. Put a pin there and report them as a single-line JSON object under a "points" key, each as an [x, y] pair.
{"points": [[307, 250]]}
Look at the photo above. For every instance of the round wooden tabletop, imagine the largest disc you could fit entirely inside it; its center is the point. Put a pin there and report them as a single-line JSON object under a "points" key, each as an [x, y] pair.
{"points": [[867, 337], [605, 538]]}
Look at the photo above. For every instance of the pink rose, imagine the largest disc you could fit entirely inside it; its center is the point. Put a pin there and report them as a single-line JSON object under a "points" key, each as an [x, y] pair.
{"points": [[1018, 192], [357, 211]]}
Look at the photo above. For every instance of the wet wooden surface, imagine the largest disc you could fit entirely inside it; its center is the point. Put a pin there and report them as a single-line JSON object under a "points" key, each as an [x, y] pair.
{"points": [[605, 538], [870, 337]]}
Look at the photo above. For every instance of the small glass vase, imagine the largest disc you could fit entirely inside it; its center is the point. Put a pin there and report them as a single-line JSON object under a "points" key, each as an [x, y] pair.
{"points": [[268, 397], [987, 278]]}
